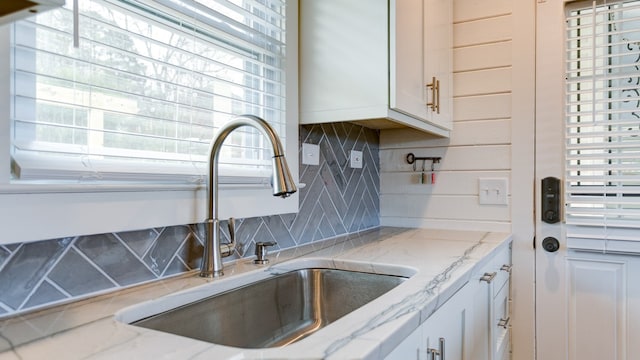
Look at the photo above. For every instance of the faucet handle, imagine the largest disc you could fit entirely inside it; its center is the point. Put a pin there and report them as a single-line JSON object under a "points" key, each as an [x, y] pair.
{"points": [[232, 229], [227, 249], [261, 252]]}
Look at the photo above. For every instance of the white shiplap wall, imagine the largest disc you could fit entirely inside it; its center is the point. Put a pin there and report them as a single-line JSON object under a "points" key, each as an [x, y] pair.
{"points": [[492, 136], [480, 143]]}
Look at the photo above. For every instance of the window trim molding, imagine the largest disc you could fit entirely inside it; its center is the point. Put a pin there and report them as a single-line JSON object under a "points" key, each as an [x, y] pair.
{"points": [[31, 212]]}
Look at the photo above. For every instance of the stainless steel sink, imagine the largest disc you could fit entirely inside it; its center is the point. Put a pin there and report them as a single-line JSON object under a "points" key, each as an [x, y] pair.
{"points": [[276, 311]]}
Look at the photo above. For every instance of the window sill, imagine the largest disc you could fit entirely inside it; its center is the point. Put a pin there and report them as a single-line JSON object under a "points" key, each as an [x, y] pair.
{"points": [[35, 188], [33, 212]]}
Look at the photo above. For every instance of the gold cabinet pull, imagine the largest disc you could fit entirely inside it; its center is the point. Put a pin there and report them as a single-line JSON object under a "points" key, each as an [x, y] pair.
{"points": [[434, 85], [437, 96]]}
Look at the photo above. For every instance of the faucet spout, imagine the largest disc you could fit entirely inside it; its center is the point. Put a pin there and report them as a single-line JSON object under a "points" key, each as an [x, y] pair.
{"points": [[283, 186]]}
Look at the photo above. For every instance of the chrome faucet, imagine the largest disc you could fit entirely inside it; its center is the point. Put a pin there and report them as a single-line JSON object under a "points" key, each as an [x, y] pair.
{"points": [[283, 186]]}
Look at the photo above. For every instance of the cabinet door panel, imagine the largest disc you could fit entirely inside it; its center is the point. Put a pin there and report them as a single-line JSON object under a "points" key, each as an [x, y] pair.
{"points": [[501, 317], [406, 54], [343, 54], [438, 28], [450, 323], [478, 345], [409, 349]]}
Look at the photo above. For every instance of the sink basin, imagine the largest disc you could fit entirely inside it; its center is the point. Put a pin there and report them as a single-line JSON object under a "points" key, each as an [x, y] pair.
{"points": [[275, 311]]}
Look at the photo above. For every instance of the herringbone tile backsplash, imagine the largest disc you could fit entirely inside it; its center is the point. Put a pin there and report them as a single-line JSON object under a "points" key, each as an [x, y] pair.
{"points": [[336, 200]]}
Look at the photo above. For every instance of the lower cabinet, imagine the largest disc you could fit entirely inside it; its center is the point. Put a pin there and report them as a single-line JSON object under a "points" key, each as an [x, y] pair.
{"points": [[474, 324], [493, 301]]}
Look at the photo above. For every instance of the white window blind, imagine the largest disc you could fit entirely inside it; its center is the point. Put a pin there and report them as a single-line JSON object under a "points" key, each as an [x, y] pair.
{"points": [[603, 121], [149, 84]]}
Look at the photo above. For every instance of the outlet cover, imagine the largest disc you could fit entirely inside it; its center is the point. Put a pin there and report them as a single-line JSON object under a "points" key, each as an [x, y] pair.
{"points": [[356, 159], [493, 191], [310, 154]]}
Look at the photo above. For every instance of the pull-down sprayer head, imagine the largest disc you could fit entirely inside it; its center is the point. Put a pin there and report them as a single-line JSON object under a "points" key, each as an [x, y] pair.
{"points": [[283, 184]]}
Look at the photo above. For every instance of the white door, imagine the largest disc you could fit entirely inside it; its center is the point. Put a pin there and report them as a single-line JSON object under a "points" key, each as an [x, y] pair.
{"points": [[586, 301]]}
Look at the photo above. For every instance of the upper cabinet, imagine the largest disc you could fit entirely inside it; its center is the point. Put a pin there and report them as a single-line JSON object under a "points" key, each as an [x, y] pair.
{"points": [[380, 63]]}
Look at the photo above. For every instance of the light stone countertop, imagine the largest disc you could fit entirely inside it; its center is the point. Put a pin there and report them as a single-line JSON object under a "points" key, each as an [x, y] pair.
{"points": [[441, 262]]}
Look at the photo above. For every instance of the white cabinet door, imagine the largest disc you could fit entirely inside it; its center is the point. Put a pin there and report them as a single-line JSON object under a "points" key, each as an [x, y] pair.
{"points": [[488, 326], [421, 58], [438, 61], [500, 324], [447, 329], [409, 349], [407, 58], [479, 318], [499, 306], [343, 60]]}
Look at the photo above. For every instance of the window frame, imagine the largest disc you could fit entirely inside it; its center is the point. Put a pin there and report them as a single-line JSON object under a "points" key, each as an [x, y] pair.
{"points": [[31, 212]]}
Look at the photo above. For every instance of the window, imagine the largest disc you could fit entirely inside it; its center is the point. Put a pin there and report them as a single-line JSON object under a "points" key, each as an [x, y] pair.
{"points": [[603, 120], [72, 176], [141, 96]]}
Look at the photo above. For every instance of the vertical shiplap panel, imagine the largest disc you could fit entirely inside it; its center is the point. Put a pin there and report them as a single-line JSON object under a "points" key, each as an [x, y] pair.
{"points": [[480, 143]]}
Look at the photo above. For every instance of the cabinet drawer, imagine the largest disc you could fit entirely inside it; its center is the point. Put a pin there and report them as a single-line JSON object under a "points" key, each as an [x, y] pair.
{"points": [[497, 272], [502, 265], [501, 321]]}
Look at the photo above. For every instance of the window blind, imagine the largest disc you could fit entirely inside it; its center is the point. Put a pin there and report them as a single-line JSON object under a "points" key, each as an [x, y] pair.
{"points": [[603, 121], [142, 96]]}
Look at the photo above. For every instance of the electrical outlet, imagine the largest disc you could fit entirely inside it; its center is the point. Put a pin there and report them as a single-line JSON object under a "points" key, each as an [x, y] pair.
{"points": [[356, 159], [310, 154], [493, 191]]}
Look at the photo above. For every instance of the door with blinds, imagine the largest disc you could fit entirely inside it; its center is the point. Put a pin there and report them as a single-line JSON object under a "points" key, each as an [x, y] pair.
{"points": [[588, 170]]}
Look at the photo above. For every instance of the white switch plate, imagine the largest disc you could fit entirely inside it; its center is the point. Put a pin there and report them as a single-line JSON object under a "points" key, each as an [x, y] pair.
{"points": [[493, 191], [356, 159], [310, 154]]}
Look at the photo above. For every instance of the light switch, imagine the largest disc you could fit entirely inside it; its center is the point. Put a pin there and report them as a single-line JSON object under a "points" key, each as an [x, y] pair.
{"points": [[356, 159], [493, 191], [310, 154]]}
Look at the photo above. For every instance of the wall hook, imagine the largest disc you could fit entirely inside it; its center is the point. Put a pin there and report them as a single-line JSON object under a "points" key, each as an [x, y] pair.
{"points": [[412, 159]]}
